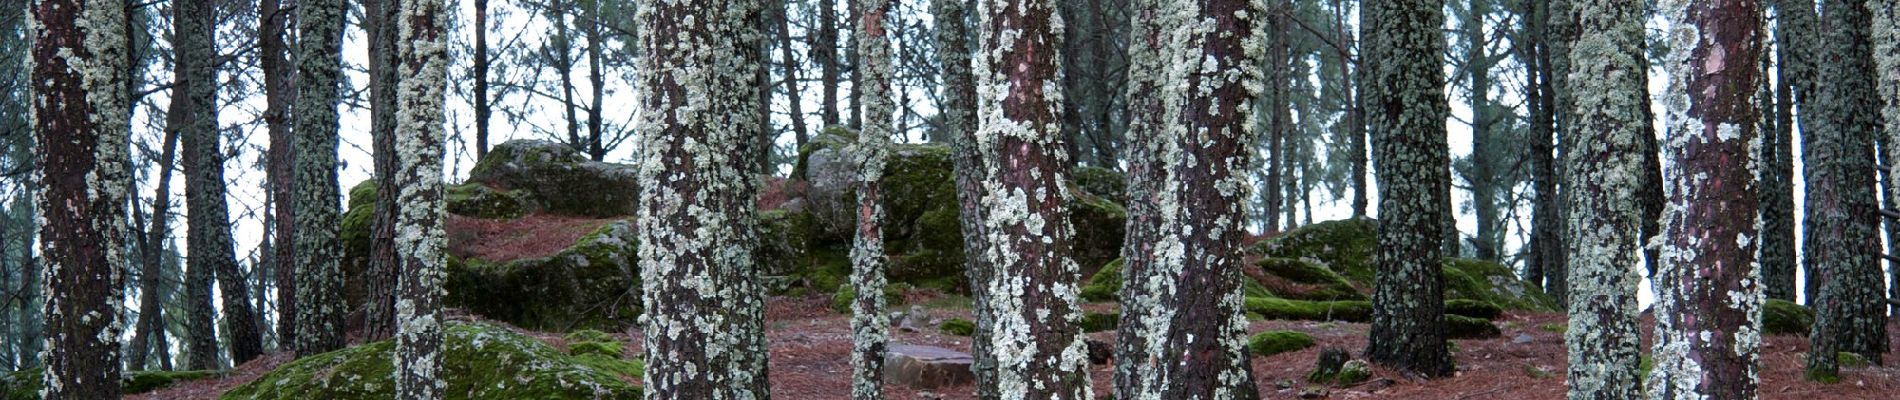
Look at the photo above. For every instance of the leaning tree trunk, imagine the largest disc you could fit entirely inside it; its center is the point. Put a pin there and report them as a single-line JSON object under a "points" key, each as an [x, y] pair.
{"points": [[870, 328], [1842, 240], [149, 332], [320, 305], [1413, 162], [1182, 306], [1886, 44], [703, 321], [1708, 299], [79, 119], [209, 227], [1032, 288], [959, 119], [1604, 168], [1778, 263], [423, 61]]}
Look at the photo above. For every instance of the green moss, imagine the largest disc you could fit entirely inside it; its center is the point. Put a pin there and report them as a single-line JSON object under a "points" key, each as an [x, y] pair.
{"points": [[480, 201], [957, 327], [1346, 247], [1343, 310], [1473, 308], [1554, 328], [1275, 342], [841, 299], [1302, 279], [26, 384], [1101, 182], [479, 362], [588, 341], [1463, 327], [593, 284], [1326, 367], [1850, 360], [1098, 322], [1493, 283], [1782, 317], [1100, 225], [1353, 373], [1106, 285]]}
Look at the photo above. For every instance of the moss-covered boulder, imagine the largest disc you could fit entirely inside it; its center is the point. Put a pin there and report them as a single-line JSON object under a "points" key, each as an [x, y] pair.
{"points": [[1463, 327], [1473, 308], [26, 384], [481, 201], [592, 284], [1346, 310], [1105, 285], [1782, 317], [558, 179], [1275, 342], [479, 362], [1304, 279], [1102, 182], [957, 327], [1346, 247], [922, 229]]}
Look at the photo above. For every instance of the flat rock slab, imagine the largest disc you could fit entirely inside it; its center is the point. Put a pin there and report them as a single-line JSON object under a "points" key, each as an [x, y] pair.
{"points": [[926, 367]]}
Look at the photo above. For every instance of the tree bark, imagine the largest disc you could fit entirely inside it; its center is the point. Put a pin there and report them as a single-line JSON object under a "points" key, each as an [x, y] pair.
{"points": [[1605, 170], [959, 119], [1708, 301], [1886, 51], [80, 110], [151, 324], [1561, 31], [1546, 243], [1485, 179], [1032, 289], [1413, 162], [1778, 263], [1842, 244], [279, 96], [1798, 28], [209, 247], [319, 281], [790, 65], [870, 329], [704, 314], [380, 278], [824, 48], [1182, 306], [422, 57]]}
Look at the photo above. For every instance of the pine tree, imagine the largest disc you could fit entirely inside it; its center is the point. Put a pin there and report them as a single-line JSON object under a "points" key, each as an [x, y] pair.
{"points": [[149, 331], [1778, 263], [1032, 288], [319, 281], [273, 54], [422, 58], [1842, 242], [1183, 328], [380, 277], [1799, 31], [1886, 45], [959, 119], [824, 51], [80, 112], [1412, 159], [210, 245], [1708, 295], [1560, 30], [1546, 241], [871, 330], [1604, 169], [704, 321]]}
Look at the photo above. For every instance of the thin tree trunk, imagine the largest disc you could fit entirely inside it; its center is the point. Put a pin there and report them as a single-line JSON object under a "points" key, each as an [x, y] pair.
{"points": [[1413, 160], [80, 112], [870, 329], [1546, 244], [423, 59], [278, 98], [379, 308], [210, 244], [1488, 242], [824, 48], [1605, 169], [1798, 28], [1886, 51], [790, 65], [319, 281], [959, 119], [483, 108], [1560, 32], [1842, 241], [700, 104], [151, 248], [855, 110], [1032, 291], [597, 83], [1778, 264], [1707, 301], [1355, 111]]}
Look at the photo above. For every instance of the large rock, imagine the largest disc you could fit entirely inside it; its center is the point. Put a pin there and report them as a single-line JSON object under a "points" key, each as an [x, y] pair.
{"points": [[926, 367], [478, 362], [554, 177], [922, 231], [590, 285], [1314, 261]]}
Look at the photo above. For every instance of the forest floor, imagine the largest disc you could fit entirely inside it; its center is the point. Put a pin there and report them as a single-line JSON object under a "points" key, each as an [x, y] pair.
{"points": [[811, 346]]}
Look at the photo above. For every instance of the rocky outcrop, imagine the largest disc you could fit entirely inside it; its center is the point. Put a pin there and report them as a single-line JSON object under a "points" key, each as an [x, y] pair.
{"points": [[590, 285], [926, 367], [1321, 261], [479, 362], [534, 175]]}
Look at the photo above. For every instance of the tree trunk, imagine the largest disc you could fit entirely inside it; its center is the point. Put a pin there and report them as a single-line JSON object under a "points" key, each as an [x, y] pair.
{"points": [[1149, 53], [1842, 244], [1604, 168], [870, 329], [1560, 32], [1485, 180], [704, 314], [80, 113], [794, 99], [210, 245], [482, 106], [1032, 289], [151, 247], [597, 83], [1886, 51], [1778, 264], [1413, 159], [378, 302], [959, 119], [423, 59], [1798, 29], [319, 281], [1355, 110], [278, 98], [1183, 331], [824, 48], [1707, 300], [1546, 243], [855, 110]]}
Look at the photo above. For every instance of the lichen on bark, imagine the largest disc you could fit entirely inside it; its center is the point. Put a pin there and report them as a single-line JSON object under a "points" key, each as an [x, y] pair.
{"points": [[870, 329], [1708, 290], [1841, 246], [319, 288], [704, 320], [423, 61], [1603, 168]]}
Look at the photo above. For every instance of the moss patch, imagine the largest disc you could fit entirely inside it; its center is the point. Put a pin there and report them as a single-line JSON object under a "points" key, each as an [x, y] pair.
{"points": [[1275, 342], [957, 327], [841, 300], [1303, 279], [1337, 310], [591, 285], [1097, 322], [1463, 327], [480, 201], [1473, 308], [1106, 285], [1782, 317], [479, 362], [26, 384], [1346, 247]]}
